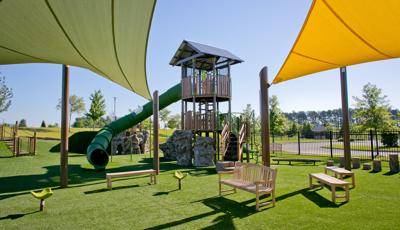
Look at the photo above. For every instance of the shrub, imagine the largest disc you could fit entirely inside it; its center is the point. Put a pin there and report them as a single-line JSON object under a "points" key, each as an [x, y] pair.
{"points": [[390, 139]]}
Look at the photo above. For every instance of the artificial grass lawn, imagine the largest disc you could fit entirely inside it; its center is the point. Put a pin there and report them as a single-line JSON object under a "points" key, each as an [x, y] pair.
{"points": [[134, 204]]}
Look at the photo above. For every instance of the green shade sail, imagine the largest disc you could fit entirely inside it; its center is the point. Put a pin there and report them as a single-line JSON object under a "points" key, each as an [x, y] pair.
{"points": [[108, 37]]}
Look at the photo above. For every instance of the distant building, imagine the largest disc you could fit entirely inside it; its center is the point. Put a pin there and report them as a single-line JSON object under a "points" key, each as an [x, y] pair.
{"points": [[319, 132]]}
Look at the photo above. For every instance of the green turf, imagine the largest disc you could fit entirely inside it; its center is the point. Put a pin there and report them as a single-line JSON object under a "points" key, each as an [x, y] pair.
{"points": [[134, 204]]}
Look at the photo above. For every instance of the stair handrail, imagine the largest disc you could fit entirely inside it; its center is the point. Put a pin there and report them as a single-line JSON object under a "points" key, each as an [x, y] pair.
{"points": [[225, 134], [240, 140]]}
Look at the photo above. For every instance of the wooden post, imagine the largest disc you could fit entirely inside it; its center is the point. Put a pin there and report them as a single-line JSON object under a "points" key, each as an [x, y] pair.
{"points": [[345, 118], [156, 125], [264, 111], [64, 128], [16, 128]]}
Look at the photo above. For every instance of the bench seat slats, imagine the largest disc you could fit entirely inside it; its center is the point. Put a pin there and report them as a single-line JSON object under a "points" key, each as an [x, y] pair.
{"points": [[328, 179], [245, 176], [245, 186], [150, 172], [131, 173]]}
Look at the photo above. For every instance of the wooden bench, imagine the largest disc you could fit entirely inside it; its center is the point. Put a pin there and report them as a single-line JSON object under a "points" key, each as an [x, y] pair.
{"points": [[333, 182], [341, 172], [290, 160], [150, 172], [257, 179]]}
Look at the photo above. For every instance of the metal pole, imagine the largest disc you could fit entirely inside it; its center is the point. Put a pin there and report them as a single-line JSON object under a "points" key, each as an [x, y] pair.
{"points": [[371, 135], [330, 141], [264, 110], [156, 125], [298, 142], [64, 127], [345, 118]]}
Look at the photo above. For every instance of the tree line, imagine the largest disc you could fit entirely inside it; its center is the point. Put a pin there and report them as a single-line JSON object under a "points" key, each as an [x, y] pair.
{"points": [[371, 111]]}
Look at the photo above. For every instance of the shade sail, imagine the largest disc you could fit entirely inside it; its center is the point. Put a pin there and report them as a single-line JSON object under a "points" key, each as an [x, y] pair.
{"points": [[340, 33], [105, 36]]}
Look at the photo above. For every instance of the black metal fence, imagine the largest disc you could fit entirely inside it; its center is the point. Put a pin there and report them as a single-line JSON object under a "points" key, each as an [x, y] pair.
{"points": [[364, 145]]}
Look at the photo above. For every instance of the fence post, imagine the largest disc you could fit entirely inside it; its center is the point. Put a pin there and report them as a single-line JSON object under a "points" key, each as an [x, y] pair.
{"points": [[273, 141], [330, 141], [377, 143], [34, 143], [371, 136], [15, 143], [298, 140]]}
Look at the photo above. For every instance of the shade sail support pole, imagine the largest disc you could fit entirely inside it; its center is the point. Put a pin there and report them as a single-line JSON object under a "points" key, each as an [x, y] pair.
{"points": [[64, 127], [264, 111], [156, 126], [345, 118]]}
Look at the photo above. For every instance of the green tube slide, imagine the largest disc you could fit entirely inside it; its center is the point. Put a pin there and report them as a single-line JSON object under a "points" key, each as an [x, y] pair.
{"points": [[97, 150]]}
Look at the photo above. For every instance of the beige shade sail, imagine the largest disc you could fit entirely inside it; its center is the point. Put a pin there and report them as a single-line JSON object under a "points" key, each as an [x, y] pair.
{"points": [[339, 33], [108, 37]]}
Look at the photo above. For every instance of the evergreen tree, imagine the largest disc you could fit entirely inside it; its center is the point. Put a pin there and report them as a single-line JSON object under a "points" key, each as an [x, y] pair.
{"points": [[43, 125], [22, 123], [277, 118], [97, 107]]}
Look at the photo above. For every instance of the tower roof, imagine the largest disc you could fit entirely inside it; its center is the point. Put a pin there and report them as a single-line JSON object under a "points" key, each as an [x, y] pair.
{"points": [[204, 55]]}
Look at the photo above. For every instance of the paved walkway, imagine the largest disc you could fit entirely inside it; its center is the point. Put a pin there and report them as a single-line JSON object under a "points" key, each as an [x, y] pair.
{"points": [[317, 148]]}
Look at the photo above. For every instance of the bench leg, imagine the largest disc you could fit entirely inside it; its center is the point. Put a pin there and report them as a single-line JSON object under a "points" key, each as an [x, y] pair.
{"points": [[334, 194], [109, 186], [347, 192], [273, 198], [257, 201]]}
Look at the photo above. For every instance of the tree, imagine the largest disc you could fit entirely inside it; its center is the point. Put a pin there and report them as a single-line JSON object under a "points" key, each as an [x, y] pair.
{"points": [[5, 95], [373, 109], [76, 105], [277, 118], [97, 107], [22, 123], [43, 125], [174, 121], [247, 113], [164, 116]]}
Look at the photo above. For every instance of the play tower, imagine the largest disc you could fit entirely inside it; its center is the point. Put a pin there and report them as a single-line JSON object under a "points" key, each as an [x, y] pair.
{"points": [[206, 89]]}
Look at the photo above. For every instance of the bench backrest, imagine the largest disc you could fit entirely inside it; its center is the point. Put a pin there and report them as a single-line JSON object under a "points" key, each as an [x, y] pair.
{"points": [[253, 172]]}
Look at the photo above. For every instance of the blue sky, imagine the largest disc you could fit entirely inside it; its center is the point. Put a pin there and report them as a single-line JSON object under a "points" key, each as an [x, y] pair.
{"points": [[260, 32]]}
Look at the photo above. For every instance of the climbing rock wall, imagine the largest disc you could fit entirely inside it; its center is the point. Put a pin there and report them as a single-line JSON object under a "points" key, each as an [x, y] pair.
{"points": [[124, 143], [179, 147], [203, 152]]}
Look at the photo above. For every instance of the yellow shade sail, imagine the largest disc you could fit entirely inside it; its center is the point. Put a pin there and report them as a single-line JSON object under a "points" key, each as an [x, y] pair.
{"points": [[339, 33], [108, 37]]}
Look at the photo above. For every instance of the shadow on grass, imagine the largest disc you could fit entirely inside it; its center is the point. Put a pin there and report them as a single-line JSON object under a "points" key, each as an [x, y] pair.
{"points": [[164, 193], [220, 205], [319, 200], [390, 173], [108, 190], [79, 176], [16, 216]]}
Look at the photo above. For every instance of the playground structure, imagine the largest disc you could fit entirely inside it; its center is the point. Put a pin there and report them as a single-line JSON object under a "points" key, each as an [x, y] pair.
{"points": [[18, 144], [205, 85]]}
